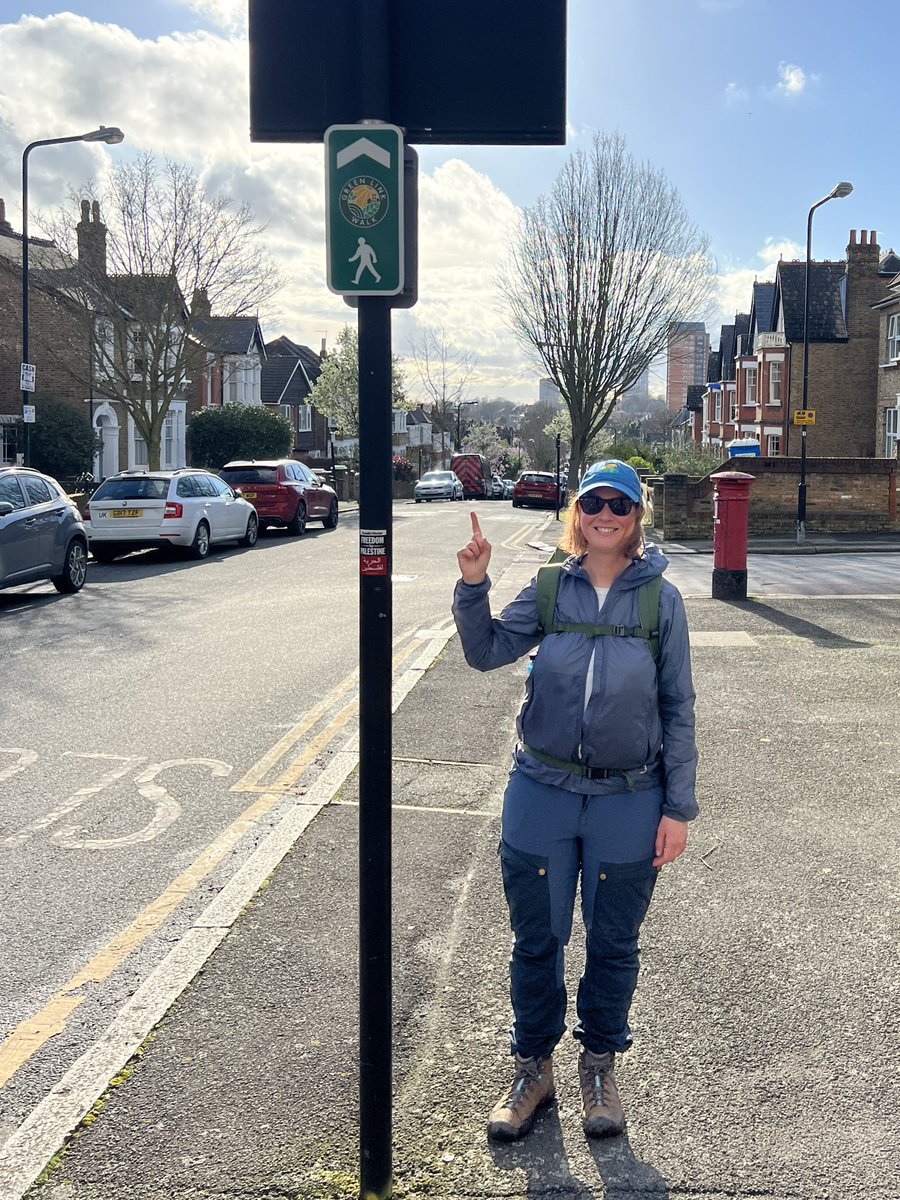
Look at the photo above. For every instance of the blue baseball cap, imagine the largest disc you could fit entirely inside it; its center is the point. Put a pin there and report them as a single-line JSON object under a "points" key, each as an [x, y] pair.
{"points": [[611, 472]]}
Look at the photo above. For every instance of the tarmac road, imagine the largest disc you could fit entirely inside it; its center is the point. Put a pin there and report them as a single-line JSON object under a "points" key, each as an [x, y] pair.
{"points": [[766, 1022]]}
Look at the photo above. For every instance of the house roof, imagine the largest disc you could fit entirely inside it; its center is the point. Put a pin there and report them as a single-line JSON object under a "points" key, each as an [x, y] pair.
{"points": [[726, 352], [416, 416], [229, 335], [890, 263], [742, 332], [761, 309], [713, 367], [826, 300], [283, 382], [682, 417]]}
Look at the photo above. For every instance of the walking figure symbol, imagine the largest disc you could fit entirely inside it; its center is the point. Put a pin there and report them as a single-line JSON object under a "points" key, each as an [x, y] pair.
{"points": [[367, 259]]}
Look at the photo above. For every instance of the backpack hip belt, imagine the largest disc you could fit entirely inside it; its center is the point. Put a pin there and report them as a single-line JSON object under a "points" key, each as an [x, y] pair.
{"points": [[582, 769]]}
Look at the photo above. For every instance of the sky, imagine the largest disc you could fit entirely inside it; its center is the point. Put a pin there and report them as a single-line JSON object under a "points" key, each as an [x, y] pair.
{"points": [[754, 109]]}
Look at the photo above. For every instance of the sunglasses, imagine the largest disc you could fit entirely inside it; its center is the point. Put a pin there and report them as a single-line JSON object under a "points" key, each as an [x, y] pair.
{"points": [[619, 506]]}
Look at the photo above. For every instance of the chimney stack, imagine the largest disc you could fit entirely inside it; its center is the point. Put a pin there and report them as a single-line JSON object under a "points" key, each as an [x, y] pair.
{"points": [[5, 228], [200, 305], [323, 353], [91, 238]]}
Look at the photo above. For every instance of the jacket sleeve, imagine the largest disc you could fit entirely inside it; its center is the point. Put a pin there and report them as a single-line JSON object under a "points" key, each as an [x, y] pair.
{"points": [[676, 709], [490, 642]]}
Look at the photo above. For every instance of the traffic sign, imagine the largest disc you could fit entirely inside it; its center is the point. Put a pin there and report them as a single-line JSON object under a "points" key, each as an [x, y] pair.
{"points": [[26, 377], [364, 209], [28, 414], [805, 416]]}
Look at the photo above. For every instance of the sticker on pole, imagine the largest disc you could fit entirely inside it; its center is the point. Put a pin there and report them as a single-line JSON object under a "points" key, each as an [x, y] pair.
{"points": [[27, 373], [373, 552], [364, 209]]}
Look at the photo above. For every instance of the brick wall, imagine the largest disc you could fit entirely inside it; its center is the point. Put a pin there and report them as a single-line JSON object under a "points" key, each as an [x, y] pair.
{"points": [[844, 495]]}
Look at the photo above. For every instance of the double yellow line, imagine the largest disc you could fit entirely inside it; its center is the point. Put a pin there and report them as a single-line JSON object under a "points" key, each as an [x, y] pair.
{"points": [[31, 1035]]}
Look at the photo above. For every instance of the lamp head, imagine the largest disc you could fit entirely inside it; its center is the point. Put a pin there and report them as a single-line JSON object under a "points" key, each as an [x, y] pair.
{"points": [[840, 190], [110, 134]]}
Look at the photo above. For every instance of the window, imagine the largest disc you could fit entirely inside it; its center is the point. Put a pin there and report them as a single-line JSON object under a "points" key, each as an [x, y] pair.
{"points": [[186, 486], [891, 430], [204, 485], [141, 455], [733, 406], [168, 442], [718, 416], [287, 411], [232, 391], [775, 383], [304, 418], [10, 492], [36, 490], [751, 386], [773, 444], [893, 344]]}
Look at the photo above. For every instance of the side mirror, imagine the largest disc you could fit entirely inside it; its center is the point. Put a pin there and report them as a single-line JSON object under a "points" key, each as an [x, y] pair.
{"points": [[5, 508]]}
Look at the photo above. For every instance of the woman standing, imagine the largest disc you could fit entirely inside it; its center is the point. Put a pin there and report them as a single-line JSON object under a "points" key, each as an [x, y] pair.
{"points": [[602, 786]]}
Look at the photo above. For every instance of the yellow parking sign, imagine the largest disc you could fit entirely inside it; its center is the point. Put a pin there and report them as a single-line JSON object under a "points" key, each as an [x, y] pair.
{"points": [[805, 416]]}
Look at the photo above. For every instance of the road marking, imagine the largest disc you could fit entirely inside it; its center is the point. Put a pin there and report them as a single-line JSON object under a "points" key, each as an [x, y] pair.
{"points": [[27, 1151], [25, 759]]}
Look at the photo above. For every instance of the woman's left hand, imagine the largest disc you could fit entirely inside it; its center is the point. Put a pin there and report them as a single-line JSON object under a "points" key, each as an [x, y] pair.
{"points": [[671, 839]]}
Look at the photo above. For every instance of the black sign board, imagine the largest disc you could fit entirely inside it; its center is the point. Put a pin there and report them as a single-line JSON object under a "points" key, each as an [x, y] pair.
{"points": [[460, 71]]}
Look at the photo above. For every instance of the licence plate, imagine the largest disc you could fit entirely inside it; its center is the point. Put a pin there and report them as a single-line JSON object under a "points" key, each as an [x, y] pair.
{"points": [[127, 512], [248, 495]]}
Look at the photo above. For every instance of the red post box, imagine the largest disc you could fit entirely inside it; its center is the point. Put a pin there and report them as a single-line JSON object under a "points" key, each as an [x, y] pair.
{"points": [[731, 511]]}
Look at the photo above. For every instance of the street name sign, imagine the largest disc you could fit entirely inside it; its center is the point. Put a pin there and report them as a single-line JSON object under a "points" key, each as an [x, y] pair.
{"points": [[805, 416], [26, 377], [364, 209]]}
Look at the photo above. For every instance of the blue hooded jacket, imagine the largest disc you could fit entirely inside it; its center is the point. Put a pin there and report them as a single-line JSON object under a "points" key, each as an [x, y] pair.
{"points": [[640, 714]]}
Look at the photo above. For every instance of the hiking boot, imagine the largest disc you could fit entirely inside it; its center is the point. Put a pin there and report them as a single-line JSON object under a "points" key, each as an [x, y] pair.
{"points": [[513, 1115], [601, 1109]]}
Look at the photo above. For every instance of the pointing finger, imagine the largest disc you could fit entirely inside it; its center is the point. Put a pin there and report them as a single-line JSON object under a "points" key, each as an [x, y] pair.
{"points": [[476, 528]]}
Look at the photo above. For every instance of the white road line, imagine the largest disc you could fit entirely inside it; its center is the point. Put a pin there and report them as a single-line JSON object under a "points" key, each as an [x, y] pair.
{"points": [[28, 1150]]}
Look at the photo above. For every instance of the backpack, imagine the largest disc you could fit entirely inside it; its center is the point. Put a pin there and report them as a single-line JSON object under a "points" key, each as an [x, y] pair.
{"points": [[648, 609]]}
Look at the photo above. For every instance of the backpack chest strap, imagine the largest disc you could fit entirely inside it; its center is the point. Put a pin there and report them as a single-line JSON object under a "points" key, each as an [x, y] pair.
{"points": [[637, 631]]}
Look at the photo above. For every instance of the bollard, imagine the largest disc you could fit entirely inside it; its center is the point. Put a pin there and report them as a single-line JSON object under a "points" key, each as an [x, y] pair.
{"points": [[731, 511]]}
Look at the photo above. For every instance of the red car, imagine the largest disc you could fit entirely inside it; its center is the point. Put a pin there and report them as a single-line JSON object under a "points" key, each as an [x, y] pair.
{"points": [[283, 492], [536, 487]]}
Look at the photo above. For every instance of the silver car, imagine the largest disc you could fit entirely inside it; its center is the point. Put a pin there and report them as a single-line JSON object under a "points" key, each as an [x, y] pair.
{"points": [[189, 508], [41, 532], [438, 485]]}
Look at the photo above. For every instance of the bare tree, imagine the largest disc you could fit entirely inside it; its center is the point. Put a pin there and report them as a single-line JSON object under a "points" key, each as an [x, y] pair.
{"points": [[444, 372], [598, 270], [154, 254], [336, 391]]}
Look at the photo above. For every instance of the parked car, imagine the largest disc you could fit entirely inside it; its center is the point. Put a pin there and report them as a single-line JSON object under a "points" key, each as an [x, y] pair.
{"points": [[284, 492], [42, 534], [508, 486], [189, 508], [497, 487], [536, 488], [438, 485]]}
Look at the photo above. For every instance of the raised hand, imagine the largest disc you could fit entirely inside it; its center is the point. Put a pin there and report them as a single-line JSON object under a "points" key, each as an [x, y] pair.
{"points": [[475, 556]]}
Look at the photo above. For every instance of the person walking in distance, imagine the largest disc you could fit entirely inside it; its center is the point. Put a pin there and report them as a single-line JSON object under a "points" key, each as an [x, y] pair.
{"points": [[602, 785]]}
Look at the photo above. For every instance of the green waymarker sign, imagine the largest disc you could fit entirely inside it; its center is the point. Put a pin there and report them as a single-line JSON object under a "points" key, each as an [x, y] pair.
{"points": [[364, 209]]}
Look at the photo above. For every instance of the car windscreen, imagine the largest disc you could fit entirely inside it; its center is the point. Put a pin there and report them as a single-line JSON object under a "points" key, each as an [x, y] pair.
{"points": [[238, 476], [438, 477], [132, 489]]}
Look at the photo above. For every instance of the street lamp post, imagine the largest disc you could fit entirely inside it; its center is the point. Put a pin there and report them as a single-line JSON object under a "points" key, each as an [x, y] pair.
{"points": [[838, 192], [459, 407], [112, 136]]}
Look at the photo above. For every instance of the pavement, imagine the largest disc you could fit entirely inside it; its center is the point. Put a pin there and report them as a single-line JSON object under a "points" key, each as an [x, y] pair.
{"points": [[767, 1033]]}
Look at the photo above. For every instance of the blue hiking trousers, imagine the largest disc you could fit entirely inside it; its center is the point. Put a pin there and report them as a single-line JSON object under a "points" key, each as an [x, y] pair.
{"points": [[550, 837]]}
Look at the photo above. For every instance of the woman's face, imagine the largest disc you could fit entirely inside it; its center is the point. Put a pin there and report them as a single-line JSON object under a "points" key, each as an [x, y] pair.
{"points": [[604, 530]]}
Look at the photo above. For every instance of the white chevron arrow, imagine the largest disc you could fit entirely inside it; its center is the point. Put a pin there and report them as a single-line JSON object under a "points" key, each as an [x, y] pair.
{"points": [[363, 146]]}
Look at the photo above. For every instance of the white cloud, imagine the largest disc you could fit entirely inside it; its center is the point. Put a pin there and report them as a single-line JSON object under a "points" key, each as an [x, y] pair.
{"points": [[735, 94], [792, 80], [230, 15], [734, 285], [185, 96]]}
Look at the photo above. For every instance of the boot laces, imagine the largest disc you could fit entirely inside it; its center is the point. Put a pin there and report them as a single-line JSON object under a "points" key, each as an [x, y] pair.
{"points": [[599, 1081], [527, 1072]]}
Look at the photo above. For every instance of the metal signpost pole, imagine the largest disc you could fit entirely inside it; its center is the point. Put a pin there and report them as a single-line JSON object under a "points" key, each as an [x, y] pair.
{"points": [[557, 477]]}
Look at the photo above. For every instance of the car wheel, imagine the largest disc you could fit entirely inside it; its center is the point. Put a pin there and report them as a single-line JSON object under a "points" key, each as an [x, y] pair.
{"points": [[200, 544], [418, 500], [516, 504], [252, 534], [74, 570], [330, 522], [297, 524]]}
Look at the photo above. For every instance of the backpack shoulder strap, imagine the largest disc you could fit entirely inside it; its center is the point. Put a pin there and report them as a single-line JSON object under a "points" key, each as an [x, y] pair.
{"points": [[547, 588], [648, 612]]}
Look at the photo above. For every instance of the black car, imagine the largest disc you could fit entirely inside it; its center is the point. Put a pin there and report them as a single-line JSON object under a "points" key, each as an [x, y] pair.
{"points": [[41, 532]]}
